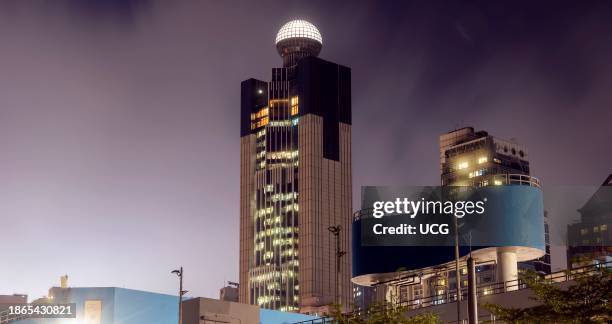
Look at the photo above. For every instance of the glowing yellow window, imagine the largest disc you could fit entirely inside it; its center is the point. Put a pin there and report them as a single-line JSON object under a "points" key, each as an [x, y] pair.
{"points": [[294, 106], [462, 165], [482, 159]]}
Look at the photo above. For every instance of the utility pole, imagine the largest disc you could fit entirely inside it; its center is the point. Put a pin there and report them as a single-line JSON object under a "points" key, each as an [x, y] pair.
{"points": [[457, 270], [472, 298], [182, 292], [335, 230]]}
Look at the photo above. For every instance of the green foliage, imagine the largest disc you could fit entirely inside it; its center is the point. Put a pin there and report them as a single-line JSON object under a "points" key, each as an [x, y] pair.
{"points": [[588, 300], [380, 314]]}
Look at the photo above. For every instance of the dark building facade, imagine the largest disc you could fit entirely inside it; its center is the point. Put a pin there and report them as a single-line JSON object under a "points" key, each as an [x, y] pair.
{"points": [[590, 240], [296, 179]]}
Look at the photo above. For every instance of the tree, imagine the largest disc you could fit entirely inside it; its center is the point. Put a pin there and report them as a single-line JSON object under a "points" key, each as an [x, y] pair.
{"points": [[587, 300]]}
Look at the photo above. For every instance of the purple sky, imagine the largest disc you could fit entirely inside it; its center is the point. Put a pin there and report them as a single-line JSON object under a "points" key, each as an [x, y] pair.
{"points": [[119, 120]]}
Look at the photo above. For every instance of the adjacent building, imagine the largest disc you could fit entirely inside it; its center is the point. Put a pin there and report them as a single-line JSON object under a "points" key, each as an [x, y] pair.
{"points": [[470, 158], [212, 311], [295, 179], [477, 159], [494, 167], [109, 305], [590, 239]]}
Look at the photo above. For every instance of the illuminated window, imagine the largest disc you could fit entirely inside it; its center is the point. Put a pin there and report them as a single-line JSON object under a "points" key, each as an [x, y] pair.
{"points": [[603, 227], [260, 123], [496, 160], [482, 159], [279, 123], [595, 229], [584, 231], [294, 106], [498, 182], [477, 173], [261, 113], [462, 165]]}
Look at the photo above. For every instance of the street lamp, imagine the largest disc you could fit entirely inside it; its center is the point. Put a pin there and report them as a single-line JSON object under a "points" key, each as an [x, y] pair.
{"points": [[335, 230], [179, 274]]}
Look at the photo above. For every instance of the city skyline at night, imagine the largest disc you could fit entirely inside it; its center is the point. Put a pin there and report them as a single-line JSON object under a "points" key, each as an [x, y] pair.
{"points": [[120, 155]]}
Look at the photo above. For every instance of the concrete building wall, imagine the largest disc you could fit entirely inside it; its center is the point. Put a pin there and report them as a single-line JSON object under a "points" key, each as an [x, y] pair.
{"points": [[247, 168], [206, 310], [229, 294], [325, 200]]}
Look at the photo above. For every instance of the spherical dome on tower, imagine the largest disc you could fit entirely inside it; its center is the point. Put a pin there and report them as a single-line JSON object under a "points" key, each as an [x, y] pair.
{"points": [[296, 39], [299, 29]]}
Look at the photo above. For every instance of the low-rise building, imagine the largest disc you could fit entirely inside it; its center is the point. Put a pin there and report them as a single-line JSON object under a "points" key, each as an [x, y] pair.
{"points": [[208, 311]]}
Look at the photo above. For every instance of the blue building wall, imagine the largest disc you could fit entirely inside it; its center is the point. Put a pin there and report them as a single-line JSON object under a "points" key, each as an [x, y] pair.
{"points": [[268, 316], [514, 216], [119, 306], [127, 306], [134, 306]]}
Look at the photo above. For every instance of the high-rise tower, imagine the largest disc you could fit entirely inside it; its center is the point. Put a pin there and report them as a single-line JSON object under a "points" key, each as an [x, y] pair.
{"points": [[295, 179]]}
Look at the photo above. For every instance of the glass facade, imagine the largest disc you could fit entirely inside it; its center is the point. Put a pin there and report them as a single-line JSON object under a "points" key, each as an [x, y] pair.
{"points": [[273, 276]]}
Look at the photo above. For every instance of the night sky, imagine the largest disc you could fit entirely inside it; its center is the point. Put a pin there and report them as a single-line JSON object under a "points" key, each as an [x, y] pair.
{"points": [[119, 120]]}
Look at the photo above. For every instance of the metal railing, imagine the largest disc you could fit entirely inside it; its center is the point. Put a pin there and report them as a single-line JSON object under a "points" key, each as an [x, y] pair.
{"points": [[501, 287], [483, 290], [518, 179], [6, 317], [481, 319]]}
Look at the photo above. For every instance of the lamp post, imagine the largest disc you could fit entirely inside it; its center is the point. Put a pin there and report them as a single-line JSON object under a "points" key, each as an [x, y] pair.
{"points": [[472, 294], [457, 269], [179, 274], [335, 230]]}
